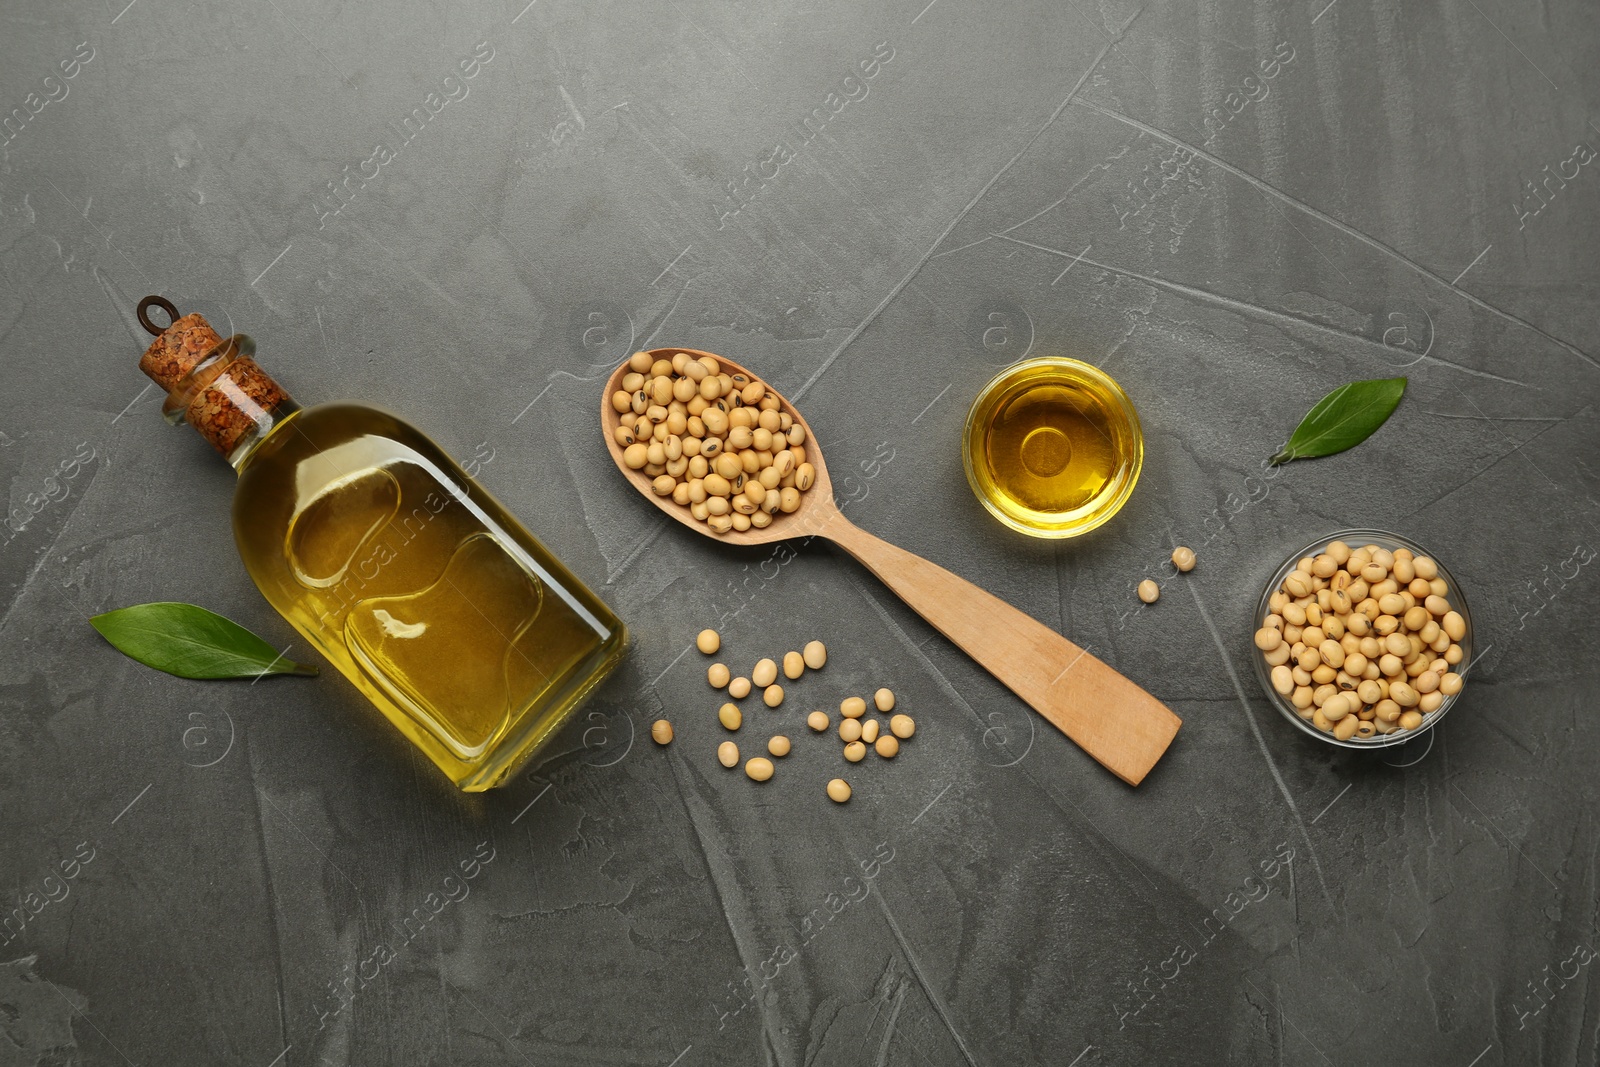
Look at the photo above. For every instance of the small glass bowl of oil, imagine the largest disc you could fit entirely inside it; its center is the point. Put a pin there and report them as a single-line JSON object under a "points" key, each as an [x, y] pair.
{"points": [[1053, 447]]}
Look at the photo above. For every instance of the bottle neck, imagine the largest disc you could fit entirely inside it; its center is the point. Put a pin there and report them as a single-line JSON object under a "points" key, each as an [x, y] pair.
{"points": [[215, 385], [272, 423], [230, 400]]}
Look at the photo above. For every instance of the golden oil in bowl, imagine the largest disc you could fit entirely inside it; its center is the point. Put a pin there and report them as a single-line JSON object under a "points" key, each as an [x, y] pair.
{"points": [[1053, 447]]}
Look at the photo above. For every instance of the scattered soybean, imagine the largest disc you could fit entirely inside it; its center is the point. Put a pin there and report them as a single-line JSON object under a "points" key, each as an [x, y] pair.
{"points": [[794, 665]]}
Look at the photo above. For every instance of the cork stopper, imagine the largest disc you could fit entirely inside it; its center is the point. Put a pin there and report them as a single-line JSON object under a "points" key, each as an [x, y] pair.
{"points": [[178, 349], [212, 382]]}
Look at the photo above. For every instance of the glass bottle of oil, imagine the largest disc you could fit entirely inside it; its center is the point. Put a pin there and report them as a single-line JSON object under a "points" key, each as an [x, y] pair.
{"points": [[418, 585]]}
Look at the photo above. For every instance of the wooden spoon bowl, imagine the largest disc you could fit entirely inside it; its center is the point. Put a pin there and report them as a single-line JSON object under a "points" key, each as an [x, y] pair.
{"points": [[1114, 720], [816, 503]]}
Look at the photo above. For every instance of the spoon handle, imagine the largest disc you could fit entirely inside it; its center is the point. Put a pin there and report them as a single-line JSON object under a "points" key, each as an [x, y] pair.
{"points": [[1111, 718]]}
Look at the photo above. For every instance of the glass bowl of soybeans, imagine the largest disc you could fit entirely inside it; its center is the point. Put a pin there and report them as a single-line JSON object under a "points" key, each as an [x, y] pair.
{"points": [[1359, 595]]}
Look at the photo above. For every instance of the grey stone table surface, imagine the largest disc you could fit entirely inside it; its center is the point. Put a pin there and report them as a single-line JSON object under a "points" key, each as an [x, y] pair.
{"points": [[467, 212]]}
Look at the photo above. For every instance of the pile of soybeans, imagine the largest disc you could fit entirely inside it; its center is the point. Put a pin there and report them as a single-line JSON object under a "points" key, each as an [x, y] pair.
{"points": [[719, 444], [1363, 641]]}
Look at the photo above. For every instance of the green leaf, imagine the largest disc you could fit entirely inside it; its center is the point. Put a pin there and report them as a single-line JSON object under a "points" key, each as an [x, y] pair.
{"points": [[191, 642], [1343, 419]]}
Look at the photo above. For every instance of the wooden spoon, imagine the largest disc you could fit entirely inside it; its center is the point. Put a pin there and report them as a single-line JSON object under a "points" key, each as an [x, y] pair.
{"points": [[1115, 721]]}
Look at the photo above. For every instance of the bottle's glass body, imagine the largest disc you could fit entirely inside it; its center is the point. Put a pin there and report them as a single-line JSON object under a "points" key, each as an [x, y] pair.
{"points": [[440, 606]]}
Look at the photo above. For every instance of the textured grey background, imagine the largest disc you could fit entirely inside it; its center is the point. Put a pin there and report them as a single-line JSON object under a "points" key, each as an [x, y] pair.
{"points": [[1363, 212]]}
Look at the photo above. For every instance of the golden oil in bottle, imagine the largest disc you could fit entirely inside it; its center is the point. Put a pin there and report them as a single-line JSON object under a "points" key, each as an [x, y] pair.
{"points": [[453, 619], [1053, 447]]}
